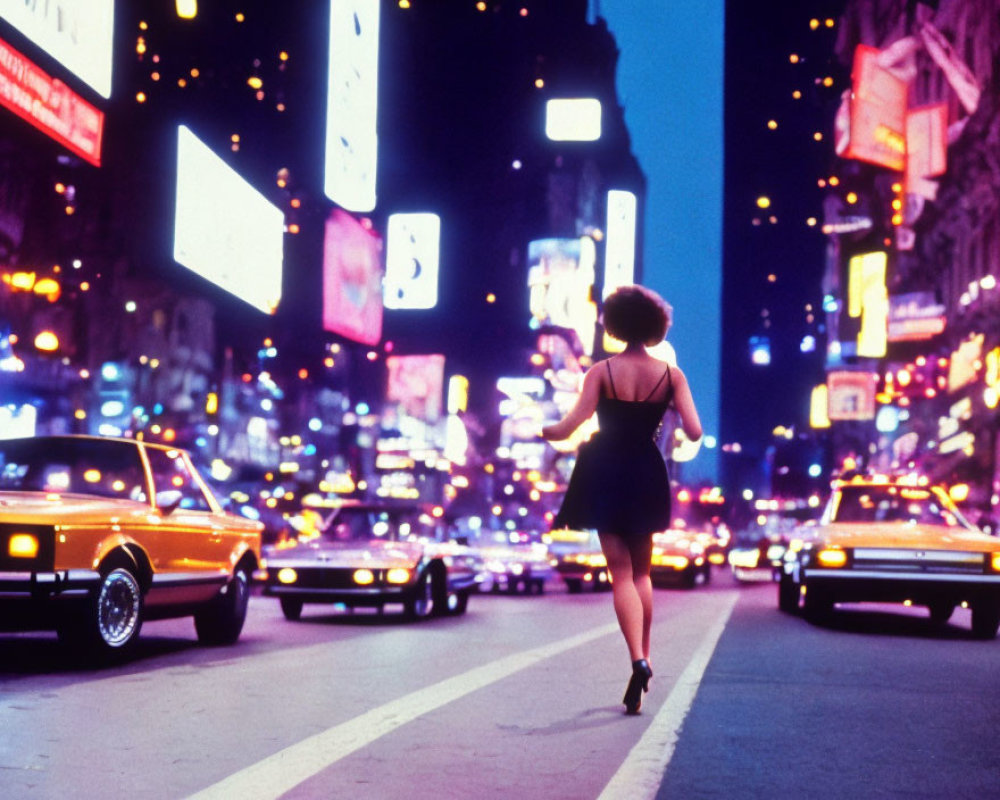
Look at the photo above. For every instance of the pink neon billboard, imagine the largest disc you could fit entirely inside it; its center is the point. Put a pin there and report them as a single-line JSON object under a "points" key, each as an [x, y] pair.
{"points": [[352, 279]]}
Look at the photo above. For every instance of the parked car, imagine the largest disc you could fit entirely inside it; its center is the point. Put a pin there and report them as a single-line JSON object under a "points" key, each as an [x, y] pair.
{"points": [[679, 559], [98, 535], [577, 557], [372, 555], [893, 540]]}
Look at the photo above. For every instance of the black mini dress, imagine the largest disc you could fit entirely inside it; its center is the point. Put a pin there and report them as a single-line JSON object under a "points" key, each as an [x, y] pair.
{"points": [[620, 483]]}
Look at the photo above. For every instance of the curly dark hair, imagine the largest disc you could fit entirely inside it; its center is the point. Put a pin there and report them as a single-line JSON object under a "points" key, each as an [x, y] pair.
{"points": [[637, 314]]}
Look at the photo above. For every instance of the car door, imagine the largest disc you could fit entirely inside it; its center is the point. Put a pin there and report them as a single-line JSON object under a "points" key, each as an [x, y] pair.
{"points": [[191, 535]]}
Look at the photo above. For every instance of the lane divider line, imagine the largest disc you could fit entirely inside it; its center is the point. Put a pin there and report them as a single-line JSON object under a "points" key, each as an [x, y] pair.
{"points": [[640, 775], [286, 769]]}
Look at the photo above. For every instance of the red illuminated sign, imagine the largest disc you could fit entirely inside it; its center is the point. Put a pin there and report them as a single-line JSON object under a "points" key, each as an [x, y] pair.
{"points": [[352, 279], [878, 112], [851, 395], [50, 105], [926, 142]]}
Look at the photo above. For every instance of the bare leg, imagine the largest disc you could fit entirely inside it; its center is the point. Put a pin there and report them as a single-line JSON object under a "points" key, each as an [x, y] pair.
{"points": [[632, 590]]}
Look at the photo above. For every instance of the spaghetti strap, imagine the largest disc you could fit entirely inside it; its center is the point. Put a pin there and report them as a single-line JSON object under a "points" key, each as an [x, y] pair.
{"points": [[664, 375], [614, 393]]}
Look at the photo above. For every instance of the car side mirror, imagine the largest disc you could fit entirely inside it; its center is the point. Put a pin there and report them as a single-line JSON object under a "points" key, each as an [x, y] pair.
{"points": [[168, 501]]}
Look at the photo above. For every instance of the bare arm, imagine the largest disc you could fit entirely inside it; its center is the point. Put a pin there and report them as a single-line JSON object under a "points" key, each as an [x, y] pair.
{"points": [[581, 411], [684, 404]]}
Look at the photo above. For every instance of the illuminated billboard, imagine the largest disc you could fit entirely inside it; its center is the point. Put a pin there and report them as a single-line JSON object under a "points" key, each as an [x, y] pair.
{"points": [[50, 105], [416, 383], [914, 316], [352, 104], [877, 112], [573, 119], [411, 261], [926, 143], [224, 229], [867, 298], [352, 279], [965, 362], [619, 241], [560, 279], [76, 33], [851, 395]]}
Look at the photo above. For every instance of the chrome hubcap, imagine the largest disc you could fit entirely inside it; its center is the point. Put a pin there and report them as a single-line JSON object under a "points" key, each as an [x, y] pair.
{"points": [[118, 608]]}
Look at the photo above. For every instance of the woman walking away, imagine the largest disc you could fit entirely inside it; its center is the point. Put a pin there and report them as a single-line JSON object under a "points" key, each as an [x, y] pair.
{"points": [[619, 485]]}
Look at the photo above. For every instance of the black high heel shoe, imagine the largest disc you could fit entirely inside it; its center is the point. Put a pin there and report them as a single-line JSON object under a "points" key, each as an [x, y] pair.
{"points": [[637, 684]]}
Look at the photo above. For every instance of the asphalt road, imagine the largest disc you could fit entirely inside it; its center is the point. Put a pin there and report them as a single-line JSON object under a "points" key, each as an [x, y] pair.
{"points": [[518, 698]]}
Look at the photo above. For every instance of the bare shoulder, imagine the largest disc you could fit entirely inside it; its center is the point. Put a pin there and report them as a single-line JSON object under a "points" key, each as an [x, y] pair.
{"points": [[596, 371]]}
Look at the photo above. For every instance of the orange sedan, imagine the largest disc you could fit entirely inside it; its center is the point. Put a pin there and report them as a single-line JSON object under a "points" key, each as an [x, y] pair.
{"points": [[99, 534]]}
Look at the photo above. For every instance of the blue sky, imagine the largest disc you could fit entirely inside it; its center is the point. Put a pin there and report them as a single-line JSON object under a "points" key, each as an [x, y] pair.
{"points": [[670, 79]]}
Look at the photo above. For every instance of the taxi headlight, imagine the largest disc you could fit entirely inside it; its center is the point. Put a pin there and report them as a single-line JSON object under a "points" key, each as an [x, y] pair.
{"points": [[775, 552], [364, 577], [995, 561], [287, 575], [831, 558], [744, 559], [398, 575], [673, 562]]}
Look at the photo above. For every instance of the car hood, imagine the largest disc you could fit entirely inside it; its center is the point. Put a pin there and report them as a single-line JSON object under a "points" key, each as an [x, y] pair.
{"points": [[373, 554], [904, 536]]}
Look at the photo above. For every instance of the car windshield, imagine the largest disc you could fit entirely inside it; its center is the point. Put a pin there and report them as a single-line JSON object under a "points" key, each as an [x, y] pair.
{"points": [[361, 524], [105, 468], [894, 504]]}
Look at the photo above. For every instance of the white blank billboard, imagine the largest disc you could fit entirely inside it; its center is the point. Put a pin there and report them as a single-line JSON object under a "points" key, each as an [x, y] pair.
{"points": [[573, 119], [352, 104], [224, 229], [76, 33], [411, 263], [619, 241]]}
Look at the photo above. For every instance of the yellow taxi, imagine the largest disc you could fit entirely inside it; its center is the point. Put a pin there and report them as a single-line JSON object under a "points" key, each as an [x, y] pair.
{"points": [[577, 557], [893, 540], [99, 534], [679, 559]]}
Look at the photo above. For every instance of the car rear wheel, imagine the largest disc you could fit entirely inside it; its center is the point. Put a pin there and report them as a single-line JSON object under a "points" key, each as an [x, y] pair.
{"points": [[221, 621], [985, 619], [292, 608], [112, 619]]}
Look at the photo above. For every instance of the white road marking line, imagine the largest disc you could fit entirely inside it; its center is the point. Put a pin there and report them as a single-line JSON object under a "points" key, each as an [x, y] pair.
{"points": [[286, 769], [641, 774]]}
